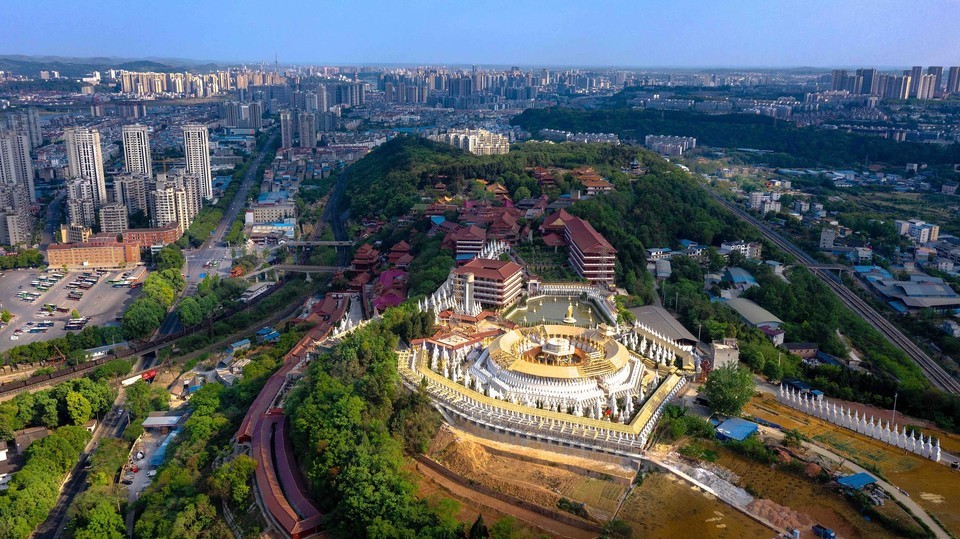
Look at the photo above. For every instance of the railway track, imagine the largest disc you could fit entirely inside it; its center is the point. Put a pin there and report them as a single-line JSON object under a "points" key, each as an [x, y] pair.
{"points": [[934, 372]]}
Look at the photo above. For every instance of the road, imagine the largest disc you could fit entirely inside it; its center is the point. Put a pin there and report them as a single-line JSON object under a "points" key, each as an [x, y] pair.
{"points": [[51, 216], [933, 371], [211, 248], [111, 427], [336, 216]]}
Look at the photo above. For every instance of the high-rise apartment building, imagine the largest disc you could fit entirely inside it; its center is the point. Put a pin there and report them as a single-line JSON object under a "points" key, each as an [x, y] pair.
{"points": [[230, 114], [16, 221], [196, 147], [16, 167], [307, 121], [169, 205], [113, 218], [927, 87], [24, 121], [81, 207], [869, 80], [192, 185], [838, 80], [131, 191], [898, 87], [937, 72], [136, 150], [286, 129], [914, 74], [255, 117], [953, 80], [85, 160]]}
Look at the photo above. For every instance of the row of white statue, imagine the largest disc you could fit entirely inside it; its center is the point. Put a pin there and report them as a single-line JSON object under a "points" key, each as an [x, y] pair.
{"points": [[818, 406]]}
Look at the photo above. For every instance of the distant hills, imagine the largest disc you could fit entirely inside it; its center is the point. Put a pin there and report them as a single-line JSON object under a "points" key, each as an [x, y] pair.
{"points": [[73, 67]]}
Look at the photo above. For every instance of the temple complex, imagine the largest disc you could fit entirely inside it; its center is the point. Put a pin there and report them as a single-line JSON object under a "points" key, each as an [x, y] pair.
{"points": [[551, 365]]}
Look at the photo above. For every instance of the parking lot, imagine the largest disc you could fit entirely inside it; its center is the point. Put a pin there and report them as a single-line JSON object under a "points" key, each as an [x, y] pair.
{"points": [[101, 303], [149, 443]]}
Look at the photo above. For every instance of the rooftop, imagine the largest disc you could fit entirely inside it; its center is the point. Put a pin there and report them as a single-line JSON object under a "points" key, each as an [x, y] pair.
{"points": [[752, 313], [485, 268], [661, 321], [586, 238]]}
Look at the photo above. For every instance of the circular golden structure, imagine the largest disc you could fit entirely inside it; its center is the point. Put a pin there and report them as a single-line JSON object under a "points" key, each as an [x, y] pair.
{"points": [[555, 351]]}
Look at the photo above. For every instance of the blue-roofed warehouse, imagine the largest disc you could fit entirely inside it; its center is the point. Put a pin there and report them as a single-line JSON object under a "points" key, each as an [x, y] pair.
{"points": [[739, 277], [857, 481], [736, 429], [161, 453]]}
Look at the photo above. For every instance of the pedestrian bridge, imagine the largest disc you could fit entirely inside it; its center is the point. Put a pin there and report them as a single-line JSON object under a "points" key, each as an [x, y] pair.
{"points": [[325, 243], [297, 268]]}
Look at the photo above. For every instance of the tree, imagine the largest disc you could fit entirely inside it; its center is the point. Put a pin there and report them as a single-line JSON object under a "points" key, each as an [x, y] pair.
{"points": [[479, 529], [232, 480], [170, 257], [143, 398], [5, 316], [793, 438], [75, 314], [45, 410], [505, 528], [617, 529], [773, 371], [521, 193], [142, 318], [729, 389], [78, 408], [190, 312], [99, 520]]}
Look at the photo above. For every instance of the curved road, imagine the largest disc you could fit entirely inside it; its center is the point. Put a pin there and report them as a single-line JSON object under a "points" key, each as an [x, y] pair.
{"points": [[931, 369]]}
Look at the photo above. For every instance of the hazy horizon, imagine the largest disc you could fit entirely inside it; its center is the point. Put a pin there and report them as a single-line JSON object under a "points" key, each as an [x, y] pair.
{"points": [[692, 34]]}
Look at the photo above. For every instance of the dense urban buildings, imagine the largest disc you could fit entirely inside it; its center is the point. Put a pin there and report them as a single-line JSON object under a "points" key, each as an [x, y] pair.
{"points": [[475, 141], [569, 286]]}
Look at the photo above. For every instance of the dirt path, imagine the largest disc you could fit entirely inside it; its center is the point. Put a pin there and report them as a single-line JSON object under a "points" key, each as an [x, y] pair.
{"points": [[558, 529]]}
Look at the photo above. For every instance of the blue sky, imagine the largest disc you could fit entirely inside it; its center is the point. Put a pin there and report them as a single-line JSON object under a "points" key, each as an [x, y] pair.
{"points": [[673, 33]]}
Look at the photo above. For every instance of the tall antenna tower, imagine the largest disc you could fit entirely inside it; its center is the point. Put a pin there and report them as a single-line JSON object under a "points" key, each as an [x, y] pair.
{"points": [[276, 63]]}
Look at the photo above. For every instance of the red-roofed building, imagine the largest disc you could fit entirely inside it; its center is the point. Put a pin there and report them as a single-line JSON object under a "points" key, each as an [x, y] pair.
{"points": [[366, 257], [554, 240], [555, 222], [148, 237], [398, 251], [467, 240], [594, 185], [591, 255], [359, 281], [505, 227], [496, 283], [544, 178]]}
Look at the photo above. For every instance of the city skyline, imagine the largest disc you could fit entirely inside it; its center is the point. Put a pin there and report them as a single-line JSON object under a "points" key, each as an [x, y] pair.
{"points": [[683, 35]]}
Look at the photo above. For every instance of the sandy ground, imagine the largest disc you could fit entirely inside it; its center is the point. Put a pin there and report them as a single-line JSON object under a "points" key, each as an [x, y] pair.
{"points": [[549, 526], [804, 502], [934, 486], [536, 476], [666, 506]]}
